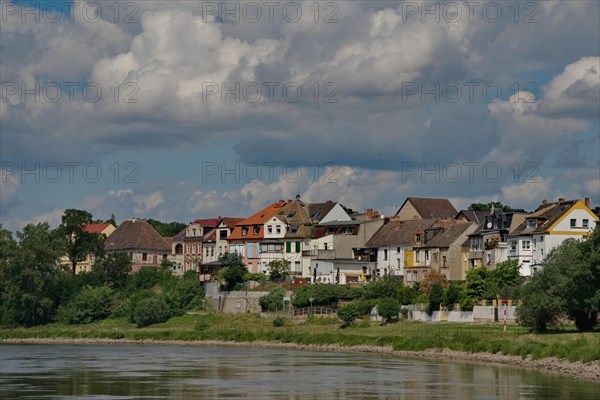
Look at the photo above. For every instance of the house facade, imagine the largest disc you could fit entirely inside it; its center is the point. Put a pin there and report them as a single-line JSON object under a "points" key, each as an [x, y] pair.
{"points": [[141, 242], [103, 229], [546, 228]]}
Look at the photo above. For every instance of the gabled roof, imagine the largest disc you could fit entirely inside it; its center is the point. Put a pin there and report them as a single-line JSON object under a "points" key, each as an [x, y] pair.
{"points": [[450, 235], [397, 233], [208, 222], [547, 214], [316, 211], [472, 215], [96, 228], [137, 234], [230, 222], [180, 234], [430, 207], [296, 216], [257, 219]]}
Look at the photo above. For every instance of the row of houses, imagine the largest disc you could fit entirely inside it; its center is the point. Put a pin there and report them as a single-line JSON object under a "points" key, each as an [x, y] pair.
{"points": [[324, 243]]}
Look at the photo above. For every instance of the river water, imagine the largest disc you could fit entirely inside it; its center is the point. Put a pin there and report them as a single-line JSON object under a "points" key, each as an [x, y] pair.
{"points": [[179, 372]]}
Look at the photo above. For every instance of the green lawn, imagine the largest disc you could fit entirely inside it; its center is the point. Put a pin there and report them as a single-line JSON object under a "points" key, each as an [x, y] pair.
{"points": [[401, 335]]}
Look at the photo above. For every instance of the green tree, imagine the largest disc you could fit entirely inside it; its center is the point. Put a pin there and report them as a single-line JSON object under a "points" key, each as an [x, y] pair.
{"points": [[279, 270], [505, 275], [436, 297], [233, 270], [487, 206], [166, 229], [152, 310], [385, 286], [388, 308], [569, 283], [453, 294], [272, 301], [88, 305], [113, 269], [31, 276], [477, 285], [80, 243], [347, 313]]}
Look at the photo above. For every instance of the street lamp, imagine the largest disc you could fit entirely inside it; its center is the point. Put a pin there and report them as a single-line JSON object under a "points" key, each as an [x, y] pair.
{"points": [[311, 300]]}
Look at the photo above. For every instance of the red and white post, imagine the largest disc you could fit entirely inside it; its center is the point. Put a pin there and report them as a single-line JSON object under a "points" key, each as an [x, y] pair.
{"points": [[505, 301]]}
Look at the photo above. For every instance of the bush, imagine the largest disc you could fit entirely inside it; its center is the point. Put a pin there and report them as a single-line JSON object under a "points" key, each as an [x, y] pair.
{"points": [[421, 298], [272, 301], [255, 276], [388, 308], [363, 307], [279, 321], [453, 295], [406, 295], [321, 293], [386, 286], [347, 313], [150, 311], [467, 303], [88, 305]]}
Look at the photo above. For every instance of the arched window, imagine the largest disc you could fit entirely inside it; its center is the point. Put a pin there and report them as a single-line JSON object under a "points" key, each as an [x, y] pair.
{"points": [[178, 248]]}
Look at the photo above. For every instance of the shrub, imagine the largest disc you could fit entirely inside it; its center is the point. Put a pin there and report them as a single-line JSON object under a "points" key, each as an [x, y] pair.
{"points": [[388, 308], [150, 311], [272, 301], [279, 321], [88, 305], [453, 295], [406, 295], [363, 307], [255, 276], [386, 286], [321, 293], [467, 303], [347, 313]]}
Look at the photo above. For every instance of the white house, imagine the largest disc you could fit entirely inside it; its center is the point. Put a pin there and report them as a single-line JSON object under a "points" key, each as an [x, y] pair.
{"points": [[546, 228]]}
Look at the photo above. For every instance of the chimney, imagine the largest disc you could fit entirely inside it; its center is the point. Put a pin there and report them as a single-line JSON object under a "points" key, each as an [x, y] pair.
{"points": [[561, 199], [544, 203], [586, 201], [369, 213], [329, 202]]}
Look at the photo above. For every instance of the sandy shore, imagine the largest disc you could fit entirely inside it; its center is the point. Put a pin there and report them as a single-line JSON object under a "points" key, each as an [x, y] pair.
{"points": [[579, 370]]}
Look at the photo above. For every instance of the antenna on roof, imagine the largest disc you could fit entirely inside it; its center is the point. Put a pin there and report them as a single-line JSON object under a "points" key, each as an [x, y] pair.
{"points": [[298, 196]]}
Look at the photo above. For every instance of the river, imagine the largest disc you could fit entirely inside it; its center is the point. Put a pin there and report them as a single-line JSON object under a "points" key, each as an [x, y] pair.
{"points": [[180, 372]]}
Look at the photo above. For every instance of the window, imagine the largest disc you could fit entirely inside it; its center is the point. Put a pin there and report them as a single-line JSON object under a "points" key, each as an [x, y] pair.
{"points": [[212, 251], [193, 232], [278, 229], [385, 255], [270, 229], [223, 234], [426, 255], [256, 230], [541, 239], [325, 245], [585, 223], [531, 223], [443, 261], [526, 245], [418, 256], [297, 266], [397, 249], [513, 245], [144, 256], [178, 248], [297, 247], [418, 237], [244, 231], [573, 222]]}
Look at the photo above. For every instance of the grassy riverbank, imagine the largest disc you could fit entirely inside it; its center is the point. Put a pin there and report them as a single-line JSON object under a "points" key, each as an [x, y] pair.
{"points": [[401, 336]]}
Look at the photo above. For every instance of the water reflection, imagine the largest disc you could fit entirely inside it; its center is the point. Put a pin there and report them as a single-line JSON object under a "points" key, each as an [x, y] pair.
{"points": [[125, 371]]}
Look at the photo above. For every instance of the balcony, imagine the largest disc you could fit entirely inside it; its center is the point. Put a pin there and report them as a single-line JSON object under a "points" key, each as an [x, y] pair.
{"points": [[320, 254]]}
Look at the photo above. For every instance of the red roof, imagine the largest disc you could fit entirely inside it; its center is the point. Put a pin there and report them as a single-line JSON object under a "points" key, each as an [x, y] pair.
{"points": [[257, 219], [207, 222], [96, 228]]}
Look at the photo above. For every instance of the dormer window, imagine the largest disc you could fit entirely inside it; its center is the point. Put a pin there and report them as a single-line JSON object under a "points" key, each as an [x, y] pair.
{"points": [[278, 229], [417, 237], [244, 231], [256, 230], [270, 229], [531, 223], [193, 232]]}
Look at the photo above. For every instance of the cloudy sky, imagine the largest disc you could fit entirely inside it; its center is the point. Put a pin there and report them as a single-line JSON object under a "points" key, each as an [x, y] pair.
{"points": [[182, 110]]}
